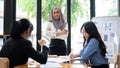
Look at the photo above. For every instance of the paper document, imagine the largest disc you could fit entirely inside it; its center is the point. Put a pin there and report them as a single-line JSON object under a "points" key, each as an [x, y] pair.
{"points": [[57, 60], [51, 65], [77, 58]]}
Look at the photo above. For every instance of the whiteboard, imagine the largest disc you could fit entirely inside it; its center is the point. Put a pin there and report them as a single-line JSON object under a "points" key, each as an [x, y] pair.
{"points": [[109, 29]]}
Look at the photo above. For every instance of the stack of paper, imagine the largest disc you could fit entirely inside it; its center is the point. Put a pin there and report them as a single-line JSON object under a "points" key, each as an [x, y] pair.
{"points": [[57, 60], [51, 65]]}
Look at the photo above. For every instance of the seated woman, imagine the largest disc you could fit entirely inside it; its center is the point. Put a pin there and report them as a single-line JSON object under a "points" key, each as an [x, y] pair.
{"points": [[94, 49], [18, 48]]}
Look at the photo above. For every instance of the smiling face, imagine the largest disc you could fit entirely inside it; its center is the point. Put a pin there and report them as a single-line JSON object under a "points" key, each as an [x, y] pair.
{"points": [[56, 13]]}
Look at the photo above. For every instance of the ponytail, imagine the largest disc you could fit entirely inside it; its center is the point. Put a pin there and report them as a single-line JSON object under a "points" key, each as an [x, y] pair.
{"points": [[15, 29], [19, 27]]}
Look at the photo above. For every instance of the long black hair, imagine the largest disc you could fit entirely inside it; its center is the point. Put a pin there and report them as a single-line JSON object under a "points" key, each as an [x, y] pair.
{"points": [[91, 29], [19, 27]]}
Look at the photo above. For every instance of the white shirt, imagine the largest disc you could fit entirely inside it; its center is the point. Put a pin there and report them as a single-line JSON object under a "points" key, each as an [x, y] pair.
{"points": [[52, 32]]}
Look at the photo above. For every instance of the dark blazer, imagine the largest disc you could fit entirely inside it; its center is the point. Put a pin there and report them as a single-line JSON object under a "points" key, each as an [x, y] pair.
{"points": [[18, 50]]}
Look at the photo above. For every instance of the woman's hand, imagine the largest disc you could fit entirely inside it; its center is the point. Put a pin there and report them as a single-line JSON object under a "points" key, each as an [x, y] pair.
{"points": [[42, 42], [71, 55], [61, 32], [64, 31]]}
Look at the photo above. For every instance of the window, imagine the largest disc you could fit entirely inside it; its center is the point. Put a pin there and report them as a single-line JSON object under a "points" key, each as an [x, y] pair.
{"points": [[80, 13], [1, 15], [27, 9], [106, 7], [1, 21]]}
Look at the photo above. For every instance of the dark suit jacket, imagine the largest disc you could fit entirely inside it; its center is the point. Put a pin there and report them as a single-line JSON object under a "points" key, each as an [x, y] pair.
{"points": [[18, 50]]}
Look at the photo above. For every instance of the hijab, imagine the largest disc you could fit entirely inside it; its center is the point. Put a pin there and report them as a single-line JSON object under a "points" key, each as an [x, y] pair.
{"points": [[58, 23]]}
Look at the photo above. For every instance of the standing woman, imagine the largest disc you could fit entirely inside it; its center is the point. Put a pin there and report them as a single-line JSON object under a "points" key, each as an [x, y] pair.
{"points": [[57, 31], [18, 48], [94, 50]]}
